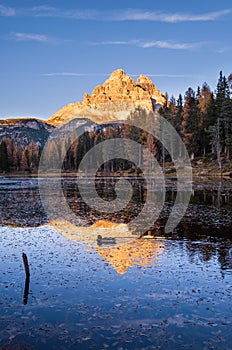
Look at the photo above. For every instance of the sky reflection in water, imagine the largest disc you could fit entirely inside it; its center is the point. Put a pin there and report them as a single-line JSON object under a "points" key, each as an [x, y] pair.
{"points": [[170, 292]]}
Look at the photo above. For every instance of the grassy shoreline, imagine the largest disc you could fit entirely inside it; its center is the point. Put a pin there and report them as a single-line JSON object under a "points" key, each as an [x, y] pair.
{"points": [[200, 167]]}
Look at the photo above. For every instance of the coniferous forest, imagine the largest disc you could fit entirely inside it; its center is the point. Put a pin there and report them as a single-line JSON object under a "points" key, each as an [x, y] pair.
{"points": [[203, 119]]}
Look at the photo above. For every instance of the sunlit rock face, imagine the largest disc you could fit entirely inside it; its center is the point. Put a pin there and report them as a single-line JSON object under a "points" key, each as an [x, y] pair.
{"points": [[113, 100], [114, 242]]}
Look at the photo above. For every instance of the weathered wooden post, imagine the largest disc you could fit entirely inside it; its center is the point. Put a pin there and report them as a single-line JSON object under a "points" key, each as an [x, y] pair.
{"points": [[27, 280], [26, 266]]}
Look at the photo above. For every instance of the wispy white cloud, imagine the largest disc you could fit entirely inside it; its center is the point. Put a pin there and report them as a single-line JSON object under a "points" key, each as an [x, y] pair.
{"points": [[30, 37], [163, 75], [119, 15], [35, 37], [72, 74], [137, 15], [116, 42], [7, 11], [44, 10], [125, 15], [50, 11], [169, 45], [76, 74], [224, 49], [63, 74], [149, 44]]}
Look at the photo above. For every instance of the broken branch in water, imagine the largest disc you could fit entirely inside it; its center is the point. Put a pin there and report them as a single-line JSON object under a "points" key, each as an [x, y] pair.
{"points": [[26, 266], [26, 290], [27, 280]]}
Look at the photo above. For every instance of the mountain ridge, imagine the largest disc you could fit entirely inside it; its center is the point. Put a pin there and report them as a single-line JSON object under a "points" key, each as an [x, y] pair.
{"points": [[25, 130], [113, 100]]}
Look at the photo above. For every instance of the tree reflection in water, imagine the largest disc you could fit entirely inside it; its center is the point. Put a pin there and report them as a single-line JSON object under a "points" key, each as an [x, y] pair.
{"points": [[205, 229]]}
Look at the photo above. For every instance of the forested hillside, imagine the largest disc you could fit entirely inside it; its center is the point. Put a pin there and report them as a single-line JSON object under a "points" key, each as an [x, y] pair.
{"points": [[203, 119]]}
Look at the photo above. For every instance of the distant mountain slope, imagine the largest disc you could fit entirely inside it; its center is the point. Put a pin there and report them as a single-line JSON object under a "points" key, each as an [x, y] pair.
{"points": [[24, 131], [114, 100]]}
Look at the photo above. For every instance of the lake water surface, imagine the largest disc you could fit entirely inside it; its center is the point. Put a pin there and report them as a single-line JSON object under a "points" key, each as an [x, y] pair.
{"points": [[170, 292]]}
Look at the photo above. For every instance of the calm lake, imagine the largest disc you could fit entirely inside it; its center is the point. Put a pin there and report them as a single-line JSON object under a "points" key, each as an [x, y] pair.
{"points": [[118, 291]]}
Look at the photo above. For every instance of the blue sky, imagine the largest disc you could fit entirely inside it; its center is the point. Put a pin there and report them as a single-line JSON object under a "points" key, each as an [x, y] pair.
{"points": [[52, 52]]}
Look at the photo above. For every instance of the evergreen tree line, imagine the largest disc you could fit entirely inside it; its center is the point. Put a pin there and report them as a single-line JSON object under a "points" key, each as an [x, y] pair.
{"points": [[204, 119], [125, 157], [18, 158]]}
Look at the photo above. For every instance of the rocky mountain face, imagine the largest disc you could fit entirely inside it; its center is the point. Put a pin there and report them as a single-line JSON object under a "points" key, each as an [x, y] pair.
{"points": [[24, 131], [114, 100]]}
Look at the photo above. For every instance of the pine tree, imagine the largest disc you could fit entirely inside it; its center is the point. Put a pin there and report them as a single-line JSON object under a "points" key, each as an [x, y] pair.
{"points": [[207, 117], [214, 132], [179, 116], [24, 161], [224, 111], [33, 155], [190, 123], [53, 154], [10, 151], [15, 159], [4, 165]]}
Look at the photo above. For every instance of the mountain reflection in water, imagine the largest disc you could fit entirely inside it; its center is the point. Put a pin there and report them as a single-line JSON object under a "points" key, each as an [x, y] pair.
{"points": [[125, 251]]}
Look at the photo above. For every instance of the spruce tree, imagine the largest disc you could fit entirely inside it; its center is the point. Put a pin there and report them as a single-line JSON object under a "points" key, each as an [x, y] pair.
{"points": [[224, 111], [190, 122], [4, 165]]}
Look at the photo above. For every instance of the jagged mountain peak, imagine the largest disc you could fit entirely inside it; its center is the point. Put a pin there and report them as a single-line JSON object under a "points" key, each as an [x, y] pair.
{"points": [[117, 74], [113, 100]]}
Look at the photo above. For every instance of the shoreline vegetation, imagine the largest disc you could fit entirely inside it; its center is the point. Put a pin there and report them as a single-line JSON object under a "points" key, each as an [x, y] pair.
{"points": [[201, 167]]}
